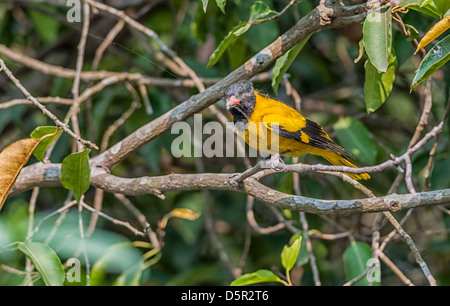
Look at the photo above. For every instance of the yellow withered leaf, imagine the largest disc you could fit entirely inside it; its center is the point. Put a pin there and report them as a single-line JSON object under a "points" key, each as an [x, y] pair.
{"points": [[182, 213], [440, 27]]}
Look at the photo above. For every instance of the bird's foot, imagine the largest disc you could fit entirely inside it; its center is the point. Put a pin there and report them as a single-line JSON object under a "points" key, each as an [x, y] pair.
{"points": [[275, 162]]}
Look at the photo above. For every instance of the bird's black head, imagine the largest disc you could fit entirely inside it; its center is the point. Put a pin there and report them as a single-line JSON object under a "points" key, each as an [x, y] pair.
{"points": [[241, 100]]}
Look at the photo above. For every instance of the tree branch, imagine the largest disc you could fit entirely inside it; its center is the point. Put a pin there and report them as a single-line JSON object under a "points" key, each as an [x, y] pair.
{"points": [[48, 175]]}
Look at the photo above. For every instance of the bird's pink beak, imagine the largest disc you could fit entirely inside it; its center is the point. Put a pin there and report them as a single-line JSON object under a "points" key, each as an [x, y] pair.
{"points": [[232, 101]]}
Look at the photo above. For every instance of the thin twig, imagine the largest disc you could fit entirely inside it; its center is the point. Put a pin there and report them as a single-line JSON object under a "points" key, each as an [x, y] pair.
{"points": [[408, 175], [427, 174], [412, 247], [81, 48], [120, 121], [31, 208], [43, 100], [115, 30], [292, 2], [427, 104], [246, 248], [394, 231], [43, 108], [304, 168], [305, 227], [138, 26], [360, 276], [75, 108], [114, 220], [209, 226], [83, 242], [394, 269], [141, 218], [252, 221], [309, 248]]}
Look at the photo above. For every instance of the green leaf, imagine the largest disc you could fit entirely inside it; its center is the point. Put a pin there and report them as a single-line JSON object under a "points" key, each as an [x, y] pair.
{"points": [[289, 254], [354, 137], [260, 276], [284, 62], [259, 10], [435, 58], [413, 33], [131, 276], [238, 30], [355, 261], [46, 262], [76, 173], [122, 258], [442, 6], [378, 85], [303, 256], [40, 132], [428, 9], [47, 27], [221, 5], [425, 2], [205, 5], [377, 36]]}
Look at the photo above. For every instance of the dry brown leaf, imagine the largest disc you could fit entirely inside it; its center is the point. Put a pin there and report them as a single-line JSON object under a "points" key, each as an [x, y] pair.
{"points": [[12, 159]]}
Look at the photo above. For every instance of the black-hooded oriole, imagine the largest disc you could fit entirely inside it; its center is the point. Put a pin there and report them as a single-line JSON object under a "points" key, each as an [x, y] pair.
{"points": [[297, 134]]}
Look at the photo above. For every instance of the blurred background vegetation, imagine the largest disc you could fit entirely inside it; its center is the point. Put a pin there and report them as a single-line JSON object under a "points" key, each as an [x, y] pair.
{"points": [[331, 88]]}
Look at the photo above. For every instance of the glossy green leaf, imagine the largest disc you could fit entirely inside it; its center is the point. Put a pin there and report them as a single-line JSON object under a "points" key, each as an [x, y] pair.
{"points": [[121, 258], [435, 58], [131, 276], [355, 259], [289, 254], [46, 26], [260, 276], [428, 9], [354, 137], [377, 37], [425, 2], [40, 132], [76, 173], [378, 85], [442, 6], [413, 33], [205, 5], [257, 11], [221, 5], [284, 62], [303, 256], [45, 260], [238, 30]]}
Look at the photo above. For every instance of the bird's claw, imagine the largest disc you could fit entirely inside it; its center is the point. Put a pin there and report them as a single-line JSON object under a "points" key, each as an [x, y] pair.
{"points": [[275, 162]]}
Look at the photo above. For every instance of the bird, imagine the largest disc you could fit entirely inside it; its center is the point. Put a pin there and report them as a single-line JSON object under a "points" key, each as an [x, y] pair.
{"points": [[257, 117]]}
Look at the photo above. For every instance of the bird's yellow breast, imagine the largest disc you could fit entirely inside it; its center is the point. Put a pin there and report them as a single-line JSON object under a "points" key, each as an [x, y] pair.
{"points": [[260, 134]]}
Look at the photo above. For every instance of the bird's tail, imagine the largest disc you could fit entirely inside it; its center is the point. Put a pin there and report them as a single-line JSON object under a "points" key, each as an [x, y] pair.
{"points": [[338, 160]]}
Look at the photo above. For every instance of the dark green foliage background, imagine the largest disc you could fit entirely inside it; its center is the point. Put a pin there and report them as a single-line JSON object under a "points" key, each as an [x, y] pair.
{"points": [[331, 87]]}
